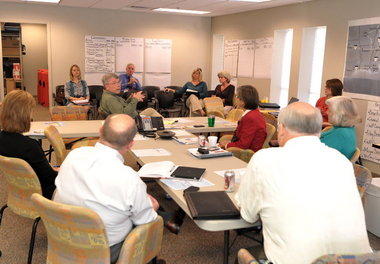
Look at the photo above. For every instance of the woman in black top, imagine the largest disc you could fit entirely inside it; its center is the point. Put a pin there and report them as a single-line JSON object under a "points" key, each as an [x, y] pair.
{"points": [[225, 90], [15, 116]]}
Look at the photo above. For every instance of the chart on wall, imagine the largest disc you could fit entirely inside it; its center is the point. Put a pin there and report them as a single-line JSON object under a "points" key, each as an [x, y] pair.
{"points": [[362, 75], [249, 58], [371, 133], [151, 57]]}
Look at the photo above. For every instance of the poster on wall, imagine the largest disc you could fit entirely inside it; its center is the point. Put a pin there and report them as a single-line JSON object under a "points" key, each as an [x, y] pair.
{"points": [[231, 52], [362, 75], [371, 133], [129, 50], [99, 54], [263, 58], [246, 58]]}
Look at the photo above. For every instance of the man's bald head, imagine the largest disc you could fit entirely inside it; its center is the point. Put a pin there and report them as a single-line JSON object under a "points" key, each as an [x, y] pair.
{"points": [[118, 130], [301, 118]]}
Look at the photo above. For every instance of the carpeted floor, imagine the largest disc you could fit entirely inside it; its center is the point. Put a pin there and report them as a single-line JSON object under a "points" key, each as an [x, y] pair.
{"points": [[191, 245]]}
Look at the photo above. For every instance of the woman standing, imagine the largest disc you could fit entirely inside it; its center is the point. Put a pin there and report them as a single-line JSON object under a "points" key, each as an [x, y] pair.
{"points": [[197, 90], [225, 91], [15, 121], [76, 89]]}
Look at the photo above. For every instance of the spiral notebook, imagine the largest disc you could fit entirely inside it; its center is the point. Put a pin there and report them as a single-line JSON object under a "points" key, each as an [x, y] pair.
{"points": [[188, 173]]}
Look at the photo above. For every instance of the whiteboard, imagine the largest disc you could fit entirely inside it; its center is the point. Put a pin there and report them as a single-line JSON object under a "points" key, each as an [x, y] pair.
{"points": [[93, 78], [158, 55], [158, 79], [263, 58], [231, 51], [129, 50], [246, 58], [371, 133], [99, 54]]}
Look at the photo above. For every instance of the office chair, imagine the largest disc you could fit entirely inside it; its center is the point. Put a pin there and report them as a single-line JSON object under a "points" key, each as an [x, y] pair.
{"points": [[56, 143], [59, 95], [373, 258], [214, 104], [165, 103], [96, 92], [22, 182]]}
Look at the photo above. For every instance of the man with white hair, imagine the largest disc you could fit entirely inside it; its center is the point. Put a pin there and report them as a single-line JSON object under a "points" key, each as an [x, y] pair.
{"points": [[96, 178], [304, 192], [129, 83]]}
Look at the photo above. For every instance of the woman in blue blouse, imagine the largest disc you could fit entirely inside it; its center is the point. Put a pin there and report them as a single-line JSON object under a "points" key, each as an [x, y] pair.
{"points": [[76, 89], [343, 115], [197, 90]]}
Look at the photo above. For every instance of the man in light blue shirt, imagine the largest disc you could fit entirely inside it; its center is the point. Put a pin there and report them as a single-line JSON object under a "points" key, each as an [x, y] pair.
{"points": [[128, 82]]}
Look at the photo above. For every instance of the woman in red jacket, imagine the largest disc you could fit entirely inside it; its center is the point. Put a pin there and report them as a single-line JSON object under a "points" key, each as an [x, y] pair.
{"points": [[251, 130]]}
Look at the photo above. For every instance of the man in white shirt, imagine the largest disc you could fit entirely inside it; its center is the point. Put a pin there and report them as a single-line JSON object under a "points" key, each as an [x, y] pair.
{"points": [[304, 192], [96, 178]]}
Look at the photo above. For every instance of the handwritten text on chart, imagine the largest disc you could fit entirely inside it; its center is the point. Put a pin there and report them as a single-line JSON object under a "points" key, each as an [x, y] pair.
{"points": [[371, 133]]}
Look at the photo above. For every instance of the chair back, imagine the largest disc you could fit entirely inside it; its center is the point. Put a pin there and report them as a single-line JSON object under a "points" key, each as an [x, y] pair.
{"points": [[96, 92], [242, 154], [63, 113], [234, 115], [56, 140], [22, 182], [149, 91], [373, 258], [363, 178], [164, 99], [75, 234], [355, 156], [84, 143], [144, 103], [215, 113], [271, 120], [270, 132], [214, 104], [60, 98], [143, 243], [244, 257]]}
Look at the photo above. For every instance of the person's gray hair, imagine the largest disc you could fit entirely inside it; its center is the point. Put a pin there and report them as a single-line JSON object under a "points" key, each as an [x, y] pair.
{"points": [[300, 120], [106, 77], [117, 137], [226, 75], [343, 111]]}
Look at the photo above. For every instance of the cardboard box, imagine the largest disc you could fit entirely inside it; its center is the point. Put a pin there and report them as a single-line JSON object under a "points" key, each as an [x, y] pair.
{"points": [[11, 52], [9, 42], [10, 84]]}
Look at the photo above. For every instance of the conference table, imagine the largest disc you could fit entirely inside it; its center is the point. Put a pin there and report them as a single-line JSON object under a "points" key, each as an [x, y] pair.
{"points": [[90, 128], [180, 156]]}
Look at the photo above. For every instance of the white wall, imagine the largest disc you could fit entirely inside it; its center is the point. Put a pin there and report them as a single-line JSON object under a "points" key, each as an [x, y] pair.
{"points": [[67, 28], [334, 14], [34, 37]]}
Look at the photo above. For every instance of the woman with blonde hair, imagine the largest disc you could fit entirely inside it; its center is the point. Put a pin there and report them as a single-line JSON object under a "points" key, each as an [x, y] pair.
{"points": [[343, 115], [15, 117], [76, 89], [225, 91], [197, 90]]}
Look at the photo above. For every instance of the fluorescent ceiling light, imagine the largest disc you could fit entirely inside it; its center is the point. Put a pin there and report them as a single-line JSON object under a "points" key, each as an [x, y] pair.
{"points": [[253, 1], [44, 1], [184, 11]]}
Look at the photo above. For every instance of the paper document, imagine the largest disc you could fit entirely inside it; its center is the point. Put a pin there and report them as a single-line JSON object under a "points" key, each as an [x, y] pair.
{"points": [[186, 141], [184, 184], [54, 123], [238, 173], [161, 169], [80, 102], [182, 133], [151, 152], [140, 137]]}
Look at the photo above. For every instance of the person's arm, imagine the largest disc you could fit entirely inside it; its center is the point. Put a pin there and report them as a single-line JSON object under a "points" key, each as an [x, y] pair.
{"points": [[248, 197], [138, 85], [143, 206], [230, 95], [203, 90], [183, 89], [117, 105]]}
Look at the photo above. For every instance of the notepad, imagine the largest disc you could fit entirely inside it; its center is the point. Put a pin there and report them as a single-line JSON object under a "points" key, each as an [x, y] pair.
{"points": [[211, 205], [188, 173]]}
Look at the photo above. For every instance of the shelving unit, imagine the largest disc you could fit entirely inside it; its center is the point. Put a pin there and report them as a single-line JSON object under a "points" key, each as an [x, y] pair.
{"points": [[12, 54]]}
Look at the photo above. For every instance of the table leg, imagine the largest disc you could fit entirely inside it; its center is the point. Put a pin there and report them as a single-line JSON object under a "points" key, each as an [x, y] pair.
{"points": [[226, 246]]}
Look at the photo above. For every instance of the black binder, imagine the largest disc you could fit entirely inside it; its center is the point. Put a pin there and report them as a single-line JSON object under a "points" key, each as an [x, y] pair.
{"points": [[211, 205], [188, 173]]}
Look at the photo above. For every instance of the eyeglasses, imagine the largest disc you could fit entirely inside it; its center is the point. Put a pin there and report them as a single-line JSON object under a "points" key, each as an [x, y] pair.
{"points": [[113, 83]]}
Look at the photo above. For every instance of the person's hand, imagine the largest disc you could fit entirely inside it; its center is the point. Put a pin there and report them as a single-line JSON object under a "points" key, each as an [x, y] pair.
{"points": [[155, 204], [132, 80], [139, 96], [169, 90]]}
